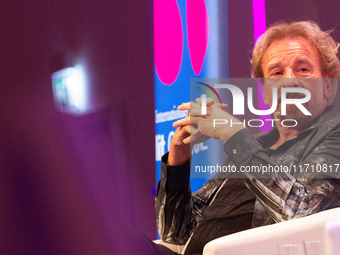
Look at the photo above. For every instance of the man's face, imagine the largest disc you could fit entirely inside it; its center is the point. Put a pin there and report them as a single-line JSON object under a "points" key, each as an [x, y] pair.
{"points": [[285, 63]]}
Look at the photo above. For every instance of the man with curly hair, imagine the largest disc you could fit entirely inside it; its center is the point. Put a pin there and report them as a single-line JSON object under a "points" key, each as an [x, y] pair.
{"points": [[295, 55]]}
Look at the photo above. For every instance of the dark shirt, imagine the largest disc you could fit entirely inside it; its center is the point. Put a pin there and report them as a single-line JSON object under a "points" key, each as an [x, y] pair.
{"points": [[226, 202]]}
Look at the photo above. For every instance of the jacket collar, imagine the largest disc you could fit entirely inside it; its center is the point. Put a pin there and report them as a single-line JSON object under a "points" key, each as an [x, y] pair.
{"points": [[329, 114]]}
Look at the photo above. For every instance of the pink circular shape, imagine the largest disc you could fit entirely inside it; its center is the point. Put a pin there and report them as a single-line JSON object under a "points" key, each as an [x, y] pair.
{"points": [[168, 40], [198, 32]]}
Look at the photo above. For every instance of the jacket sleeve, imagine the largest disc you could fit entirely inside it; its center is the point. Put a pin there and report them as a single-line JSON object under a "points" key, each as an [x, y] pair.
{"points": [[177, 209], [292, 191]]}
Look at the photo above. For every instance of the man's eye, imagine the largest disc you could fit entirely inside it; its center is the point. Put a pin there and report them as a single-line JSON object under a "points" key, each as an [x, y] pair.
{"points": [[303, 69]]}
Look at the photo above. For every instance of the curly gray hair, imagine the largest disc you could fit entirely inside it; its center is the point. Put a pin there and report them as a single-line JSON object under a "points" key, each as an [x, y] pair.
{"points": [[324, 43]]}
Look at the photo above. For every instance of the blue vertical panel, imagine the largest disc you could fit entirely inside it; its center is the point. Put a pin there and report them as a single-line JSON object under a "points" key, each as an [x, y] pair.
{"points": [[173, 88]]}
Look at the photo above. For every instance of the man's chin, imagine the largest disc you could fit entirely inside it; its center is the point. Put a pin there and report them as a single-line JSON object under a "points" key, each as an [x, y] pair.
{"points": [[293, 114]]}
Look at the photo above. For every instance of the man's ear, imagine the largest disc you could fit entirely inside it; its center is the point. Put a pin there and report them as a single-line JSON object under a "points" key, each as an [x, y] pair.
{"points": [[327, 92]]}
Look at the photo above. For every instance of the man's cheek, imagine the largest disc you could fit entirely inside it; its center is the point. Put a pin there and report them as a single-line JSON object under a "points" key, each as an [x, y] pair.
{"points": [[267, 97]]}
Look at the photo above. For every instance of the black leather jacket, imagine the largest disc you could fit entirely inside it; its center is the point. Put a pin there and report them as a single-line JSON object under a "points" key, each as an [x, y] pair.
{"points": [[279, 196]]}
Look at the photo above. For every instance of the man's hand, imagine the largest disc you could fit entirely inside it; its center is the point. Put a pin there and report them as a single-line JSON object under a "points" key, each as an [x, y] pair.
{"points": [[203, 125], [196, 128], [179, 151]]}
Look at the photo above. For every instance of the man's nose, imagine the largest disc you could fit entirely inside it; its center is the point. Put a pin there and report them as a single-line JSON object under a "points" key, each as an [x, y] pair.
{"points": [[289, 79]]}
